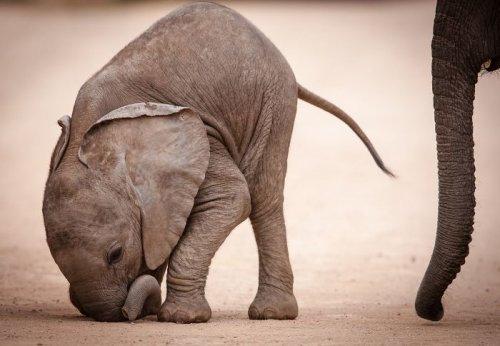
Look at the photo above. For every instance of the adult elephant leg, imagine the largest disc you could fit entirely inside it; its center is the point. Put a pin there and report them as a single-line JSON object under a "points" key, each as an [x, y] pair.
{"points": [[274, 298], [222, 203]]}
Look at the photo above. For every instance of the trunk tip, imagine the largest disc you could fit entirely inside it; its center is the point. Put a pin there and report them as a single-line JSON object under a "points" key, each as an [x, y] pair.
{"points": [[129, 317], [432, 311]]}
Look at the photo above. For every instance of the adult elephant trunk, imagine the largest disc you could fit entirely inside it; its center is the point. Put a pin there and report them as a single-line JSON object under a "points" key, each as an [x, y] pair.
{"points": [[454, 75], [144, 298]]}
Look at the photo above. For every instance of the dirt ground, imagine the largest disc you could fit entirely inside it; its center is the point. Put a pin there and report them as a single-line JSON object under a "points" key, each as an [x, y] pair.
{"points": [[359, 241]]}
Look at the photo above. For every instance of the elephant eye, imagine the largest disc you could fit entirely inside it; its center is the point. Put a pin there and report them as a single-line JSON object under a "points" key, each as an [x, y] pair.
{"points": [[114, 254]]}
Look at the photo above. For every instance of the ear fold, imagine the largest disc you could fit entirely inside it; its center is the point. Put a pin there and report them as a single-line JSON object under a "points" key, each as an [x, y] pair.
{"points": [[164, 151], [65, 124]]}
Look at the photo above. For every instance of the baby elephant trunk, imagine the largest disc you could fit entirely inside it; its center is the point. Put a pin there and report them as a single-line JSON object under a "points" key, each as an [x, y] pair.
{"points": [[143, 299]]}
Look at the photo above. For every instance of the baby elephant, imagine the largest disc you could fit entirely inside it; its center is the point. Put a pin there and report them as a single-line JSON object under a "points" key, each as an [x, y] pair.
{"points": [[178, 139]]}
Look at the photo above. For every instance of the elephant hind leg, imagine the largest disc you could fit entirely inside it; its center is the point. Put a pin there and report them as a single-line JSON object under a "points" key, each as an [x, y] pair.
{"points": [[274, 299]]}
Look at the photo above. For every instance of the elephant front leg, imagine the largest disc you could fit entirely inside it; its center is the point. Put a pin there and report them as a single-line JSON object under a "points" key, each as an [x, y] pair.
{"points": [[223, 202]]}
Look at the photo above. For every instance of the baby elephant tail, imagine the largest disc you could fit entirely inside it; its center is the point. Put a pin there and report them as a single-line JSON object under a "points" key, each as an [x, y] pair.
{"points": [[319, 102]]}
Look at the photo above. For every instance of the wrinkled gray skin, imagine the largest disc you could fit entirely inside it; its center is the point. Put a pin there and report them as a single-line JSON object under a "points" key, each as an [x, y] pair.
{"points": [[466, 38], [150, 184]]}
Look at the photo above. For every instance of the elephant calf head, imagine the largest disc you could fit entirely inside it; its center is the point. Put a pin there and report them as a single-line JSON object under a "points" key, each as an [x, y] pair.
{"points": [[114, 209]]}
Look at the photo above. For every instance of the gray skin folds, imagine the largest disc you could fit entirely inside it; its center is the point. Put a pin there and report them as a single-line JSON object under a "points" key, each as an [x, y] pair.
{"points": [[174, 142], [466, 37]]}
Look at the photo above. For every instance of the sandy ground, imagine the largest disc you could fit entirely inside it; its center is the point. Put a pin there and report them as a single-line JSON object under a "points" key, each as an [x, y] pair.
{"points": [[359, 241]]}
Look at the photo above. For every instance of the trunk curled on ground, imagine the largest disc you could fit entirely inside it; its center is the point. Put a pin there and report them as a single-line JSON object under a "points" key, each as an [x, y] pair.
{"points": [[144, 298]]}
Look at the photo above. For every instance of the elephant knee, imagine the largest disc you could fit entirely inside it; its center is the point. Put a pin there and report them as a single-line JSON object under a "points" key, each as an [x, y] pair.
{"points": [[239, 202]]}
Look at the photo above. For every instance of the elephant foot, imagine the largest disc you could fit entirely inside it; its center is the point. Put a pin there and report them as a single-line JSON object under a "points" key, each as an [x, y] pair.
{"points": [[185, 310], [273, 303]]}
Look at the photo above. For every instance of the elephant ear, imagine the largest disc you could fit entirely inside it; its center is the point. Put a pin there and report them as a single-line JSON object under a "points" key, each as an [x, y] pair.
{"points": [[163, 152], [65, 124]]}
